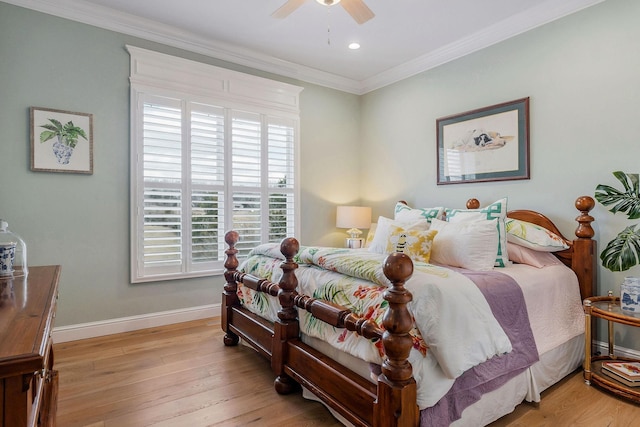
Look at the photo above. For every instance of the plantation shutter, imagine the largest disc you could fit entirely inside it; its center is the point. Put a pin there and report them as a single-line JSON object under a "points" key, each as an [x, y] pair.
{"points": [[207, 186], [281, 163], [162, 175], [246, 152], [211, 150]]}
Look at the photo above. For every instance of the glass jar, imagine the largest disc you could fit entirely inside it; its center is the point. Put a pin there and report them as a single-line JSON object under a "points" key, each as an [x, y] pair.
{"points": [[13, 253]]}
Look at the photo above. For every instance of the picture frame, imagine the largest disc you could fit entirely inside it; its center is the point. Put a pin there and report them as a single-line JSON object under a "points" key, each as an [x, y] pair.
{"points": [[486, 144], [61, 141]]}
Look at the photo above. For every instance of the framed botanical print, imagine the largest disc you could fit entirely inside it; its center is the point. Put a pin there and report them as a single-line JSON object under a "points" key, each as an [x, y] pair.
{"points": [[61, 141]]}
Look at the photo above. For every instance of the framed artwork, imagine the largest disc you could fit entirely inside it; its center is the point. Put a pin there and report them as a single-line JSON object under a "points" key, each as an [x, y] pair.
{"points": [[487, 144], [61, 141]]}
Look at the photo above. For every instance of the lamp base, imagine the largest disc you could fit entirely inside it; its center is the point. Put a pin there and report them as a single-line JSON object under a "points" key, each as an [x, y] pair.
{"points": [[354, 242]]}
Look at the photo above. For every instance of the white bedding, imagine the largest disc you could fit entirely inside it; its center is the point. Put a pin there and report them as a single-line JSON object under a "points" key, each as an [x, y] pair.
{"points": [[553, 305], [553, 302]]}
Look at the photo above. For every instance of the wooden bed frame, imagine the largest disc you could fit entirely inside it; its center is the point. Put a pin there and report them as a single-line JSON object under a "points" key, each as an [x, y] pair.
{"points": [[392, 401]]}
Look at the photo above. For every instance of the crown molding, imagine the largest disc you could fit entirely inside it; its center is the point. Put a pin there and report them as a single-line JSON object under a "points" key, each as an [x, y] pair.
{"points": [[106, 18], [537, 16]]}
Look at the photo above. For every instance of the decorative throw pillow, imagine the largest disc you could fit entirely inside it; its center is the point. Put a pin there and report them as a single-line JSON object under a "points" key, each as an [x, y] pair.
{"points": [[533, 236], [404, 212], [414, 243], [497, 211], [370, 234], [469, 244], [522, 255], [383, 229]]}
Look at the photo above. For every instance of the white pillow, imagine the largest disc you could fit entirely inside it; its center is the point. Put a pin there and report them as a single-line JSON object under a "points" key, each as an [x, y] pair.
{"points": [[496, 210], [383, 231], [404, 212], [468, 244], [522, 255], [533, 236]]}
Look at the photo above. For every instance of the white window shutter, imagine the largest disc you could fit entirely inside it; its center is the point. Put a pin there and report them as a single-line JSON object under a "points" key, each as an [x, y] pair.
{"points": [[212, 150]]}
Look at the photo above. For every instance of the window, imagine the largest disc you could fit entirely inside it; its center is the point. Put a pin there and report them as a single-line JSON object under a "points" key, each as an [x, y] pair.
{"points": [[207, 161]]}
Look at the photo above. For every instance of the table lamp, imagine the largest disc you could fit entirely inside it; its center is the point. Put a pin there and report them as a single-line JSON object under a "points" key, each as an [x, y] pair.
{"points": [[353, 218]]}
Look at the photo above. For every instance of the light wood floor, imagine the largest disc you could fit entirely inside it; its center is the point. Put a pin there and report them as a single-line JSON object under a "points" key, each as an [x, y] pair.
{"points": [[179, 375]]}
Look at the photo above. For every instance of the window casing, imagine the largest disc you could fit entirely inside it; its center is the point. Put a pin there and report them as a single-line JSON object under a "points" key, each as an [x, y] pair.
{"points": [[205, 161]]}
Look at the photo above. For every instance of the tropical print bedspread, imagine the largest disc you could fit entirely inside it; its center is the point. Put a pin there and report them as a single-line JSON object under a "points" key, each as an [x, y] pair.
{"points": [[454, 326]]}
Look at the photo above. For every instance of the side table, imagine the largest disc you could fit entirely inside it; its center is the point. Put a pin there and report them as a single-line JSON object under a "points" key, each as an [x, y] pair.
{"points": [[607, 308]]}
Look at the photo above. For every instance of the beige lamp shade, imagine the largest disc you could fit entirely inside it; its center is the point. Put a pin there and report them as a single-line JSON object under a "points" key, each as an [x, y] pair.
{"points": [[353, 218]]}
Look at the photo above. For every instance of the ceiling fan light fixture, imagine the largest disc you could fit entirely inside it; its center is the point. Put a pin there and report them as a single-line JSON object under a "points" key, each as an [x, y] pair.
{"points": [[328, 2]]}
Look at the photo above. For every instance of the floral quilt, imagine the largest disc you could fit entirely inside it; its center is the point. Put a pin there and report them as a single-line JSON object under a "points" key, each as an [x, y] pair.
{"points": [[452, 320]]}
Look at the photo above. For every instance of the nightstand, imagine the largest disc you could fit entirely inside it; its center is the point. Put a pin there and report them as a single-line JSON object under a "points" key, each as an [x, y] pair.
{"points": [[607, 308]]}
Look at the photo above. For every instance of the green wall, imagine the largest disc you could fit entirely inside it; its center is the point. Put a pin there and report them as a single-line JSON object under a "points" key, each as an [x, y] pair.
{"points": [[580, 72], [82, 221]]}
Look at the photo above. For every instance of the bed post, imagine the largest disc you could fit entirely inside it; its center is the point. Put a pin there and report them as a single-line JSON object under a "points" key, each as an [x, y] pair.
{"points": [[229, 296], [286, 327], [396, 402], [585, 255]]}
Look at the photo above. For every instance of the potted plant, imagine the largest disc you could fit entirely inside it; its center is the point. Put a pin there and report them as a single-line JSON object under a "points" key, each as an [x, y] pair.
{"points": [[67, 138], [623, 252]]}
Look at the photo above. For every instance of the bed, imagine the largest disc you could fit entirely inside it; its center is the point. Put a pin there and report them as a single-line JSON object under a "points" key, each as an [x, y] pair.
{"points": [[397, 351]]}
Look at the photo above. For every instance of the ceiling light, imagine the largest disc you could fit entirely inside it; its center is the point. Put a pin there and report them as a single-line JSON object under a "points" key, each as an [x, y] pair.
{"points": [[354, 46], [328, 2]]}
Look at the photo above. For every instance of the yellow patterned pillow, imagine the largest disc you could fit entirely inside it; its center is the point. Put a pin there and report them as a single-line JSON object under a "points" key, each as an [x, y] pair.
{"points": [[414, 243]]}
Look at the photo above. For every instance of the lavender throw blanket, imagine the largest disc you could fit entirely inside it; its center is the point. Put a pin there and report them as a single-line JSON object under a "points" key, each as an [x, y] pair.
{"points": [[507, 304]]}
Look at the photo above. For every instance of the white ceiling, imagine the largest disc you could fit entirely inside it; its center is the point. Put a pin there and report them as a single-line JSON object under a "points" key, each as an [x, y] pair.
{"points": [[404, 38]]}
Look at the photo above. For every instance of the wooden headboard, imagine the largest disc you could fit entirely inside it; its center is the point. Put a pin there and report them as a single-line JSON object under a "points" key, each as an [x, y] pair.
{"points": [[582, 254]]}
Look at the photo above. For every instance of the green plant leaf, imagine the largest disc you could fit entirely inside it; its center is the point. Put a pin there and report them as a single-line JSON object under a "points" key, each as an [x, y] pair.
{"points": [[50, 127], [47, 135], [57, 124], [627, 201], [623, 252], [82, 133]]}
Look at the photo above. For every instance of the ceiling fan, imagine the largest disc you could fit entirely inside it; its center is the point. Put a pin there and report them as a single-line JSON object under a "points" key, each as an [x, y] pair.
{"points": [[356, 8]]}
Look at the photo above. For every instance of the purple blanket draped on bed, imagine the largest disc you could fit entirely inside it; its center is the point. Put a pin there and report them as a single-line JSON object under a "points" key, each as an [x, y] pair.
{"points": [[507, 304]]}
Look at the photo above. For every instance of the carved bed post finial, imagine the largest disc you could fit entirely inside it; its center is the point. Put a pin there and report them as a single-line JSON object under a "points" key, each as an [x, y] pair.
{"points": [[397, 320], [286, 327], [396, 403], [229, 296], [473, 204], [585, 248], [584, 204], [288, 284]]}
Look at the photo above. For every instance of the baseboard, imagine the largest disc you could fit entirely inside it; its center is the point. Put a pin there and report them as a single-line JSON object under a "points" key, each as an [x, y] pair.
{"points": [[132, 323], [603, 348]]}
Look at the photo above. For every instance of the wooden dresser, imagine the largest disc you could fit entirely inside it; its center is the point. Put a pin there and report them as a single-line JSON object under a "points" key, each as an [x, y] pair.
{"points": [[28, 383]]}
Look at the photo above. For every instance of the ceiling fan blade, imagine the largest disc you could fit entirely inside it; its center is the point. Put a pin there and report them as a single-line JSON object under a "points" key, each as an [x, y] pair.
{"points": [[358, 10], [287, 8]]}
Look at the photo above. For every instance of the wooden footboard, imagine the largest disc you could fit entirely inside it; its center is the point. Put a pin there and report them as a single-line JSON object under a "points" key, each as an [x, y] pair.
{"points": [[392, 402]]}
